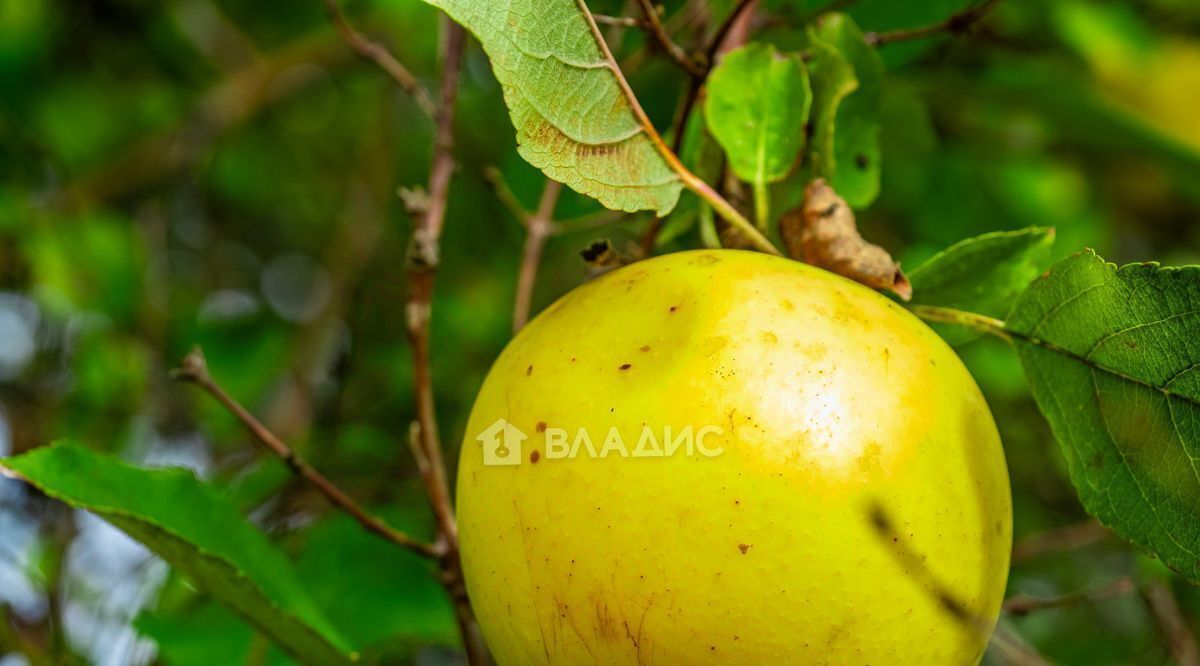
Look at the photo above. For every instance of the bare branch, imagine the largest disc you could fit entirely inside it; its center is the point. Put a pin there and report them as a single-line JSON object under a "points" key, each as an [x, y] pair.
{"points": [[1022, 604], [424, 252], [538, 227], [621, 21], [957, 24], [676, 52], [1066, 538], [194, 369], [718, 39], [1174, 625], [505, 194], [379, 54]]}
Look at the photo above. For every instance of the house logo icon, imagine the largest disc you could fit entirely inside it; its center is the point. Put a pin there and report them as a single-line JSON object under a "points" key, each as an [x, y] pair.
{"points": [[502, 443]]}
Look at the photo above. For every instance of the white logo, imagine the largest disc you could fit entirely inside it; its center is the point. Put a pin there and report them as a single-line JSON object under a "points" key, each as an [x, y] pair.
{"points": [[502, 443]]}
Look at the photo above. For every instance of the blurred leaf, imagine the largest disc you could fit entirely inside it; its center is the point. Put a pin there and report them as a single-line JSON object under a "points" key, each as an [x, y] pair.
{"points": [[386, 600], [204, 636], [982, 275], [847, 87], [97, 266], [756, 107], [191, 527], [574, 116], [1113, 360], [1155, 79]]}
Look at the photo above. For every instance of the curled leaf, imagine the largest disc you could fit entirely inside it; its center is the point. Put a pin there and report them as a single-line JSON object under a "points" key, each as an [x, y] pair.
{"points": [[822, 232]]}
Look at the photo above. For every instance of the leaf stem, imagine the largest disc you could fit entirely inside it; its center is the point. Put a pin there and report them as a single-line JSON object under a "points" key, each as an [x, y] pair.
{"points": [[978, 322], [728, 212], [762, 206]]}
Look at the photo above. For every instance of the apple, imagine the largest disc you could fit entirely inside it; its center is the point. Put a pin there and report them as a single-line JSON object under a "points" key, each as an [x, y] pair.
{"points": [[731, 458]]}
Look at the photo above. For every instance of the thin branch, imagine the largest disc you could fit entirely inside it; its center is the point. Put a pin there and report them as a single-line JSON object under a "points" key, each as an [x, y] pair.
{"points": [[379, 54], [957, 24], [1062, 539], [1023, 604], [194, 369], [538, 227], [505, 194], [622, 21], [718, 38], [676, 52], [1180, 640], [689, 179], [690, 100], [424, 252]]}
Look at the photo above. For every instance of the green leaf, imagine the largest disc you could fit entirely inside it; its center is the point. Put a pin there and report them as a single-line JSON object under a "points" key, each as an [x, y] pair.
{"points": [[208, 634], [982, 275], [575, 117], [1113, 356], [757, 104], [847, 87], [389, 601], [196, 531]]}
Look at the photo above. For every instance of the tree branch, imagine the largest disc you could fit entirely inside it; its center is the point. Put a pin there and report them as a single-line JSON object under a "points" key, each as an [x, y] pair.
{"points": [[379, 54], [424, 251], [621, 21], [194, 369], [538, 227], [1022, 604], [958, 24], [1066, 538], [718, 38], [1164, 607], [659, 32]]}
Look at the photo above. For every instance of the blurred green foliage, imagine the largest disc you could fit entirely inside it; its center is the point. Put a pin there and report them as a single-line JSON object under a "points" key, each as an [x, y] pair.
{"points": [[225, 173]]}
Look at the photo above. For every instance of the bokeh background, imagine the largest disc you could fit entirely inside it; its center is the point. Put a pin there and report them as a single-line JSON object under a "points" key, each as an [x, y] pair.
{"points": [[227, 173]]}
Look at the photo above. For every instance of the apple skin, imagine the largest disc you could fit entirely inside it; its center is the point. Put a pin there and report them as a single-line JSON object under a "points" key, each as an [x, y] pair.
{"points": [[859, 511]]}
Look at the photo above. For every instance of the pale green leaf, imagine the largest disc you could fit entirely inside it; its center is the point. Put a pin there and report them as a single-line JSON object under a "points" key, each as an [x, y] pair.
{"points": [[756, 107], [1113, 356], [196, 531], [574, 116], [983, 275], [847, 87]]}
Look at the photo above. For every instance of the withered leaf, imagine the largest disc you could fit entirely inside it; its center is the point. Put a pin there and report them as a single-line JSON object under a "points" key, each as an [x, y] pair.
{"points": [[822, 232]]}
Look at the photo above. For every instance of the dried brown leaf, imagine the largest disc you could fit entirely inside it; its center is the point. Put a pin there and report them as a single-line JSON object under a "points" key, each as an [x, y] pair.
{"points": [[822, 232]]}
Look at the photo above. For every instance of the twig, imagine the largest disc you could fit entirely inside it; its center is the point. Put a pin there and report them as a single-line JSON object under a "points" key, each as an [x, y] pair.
{"points": [[379, 54], [1164, 607], [655, 26], [958, 24], [538, 227], [505, 194], [621, 21], [1011, 649], [424, 251], [718, 38], [1022, 604], [690, 100], [194, 369], [1066, 538]]}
